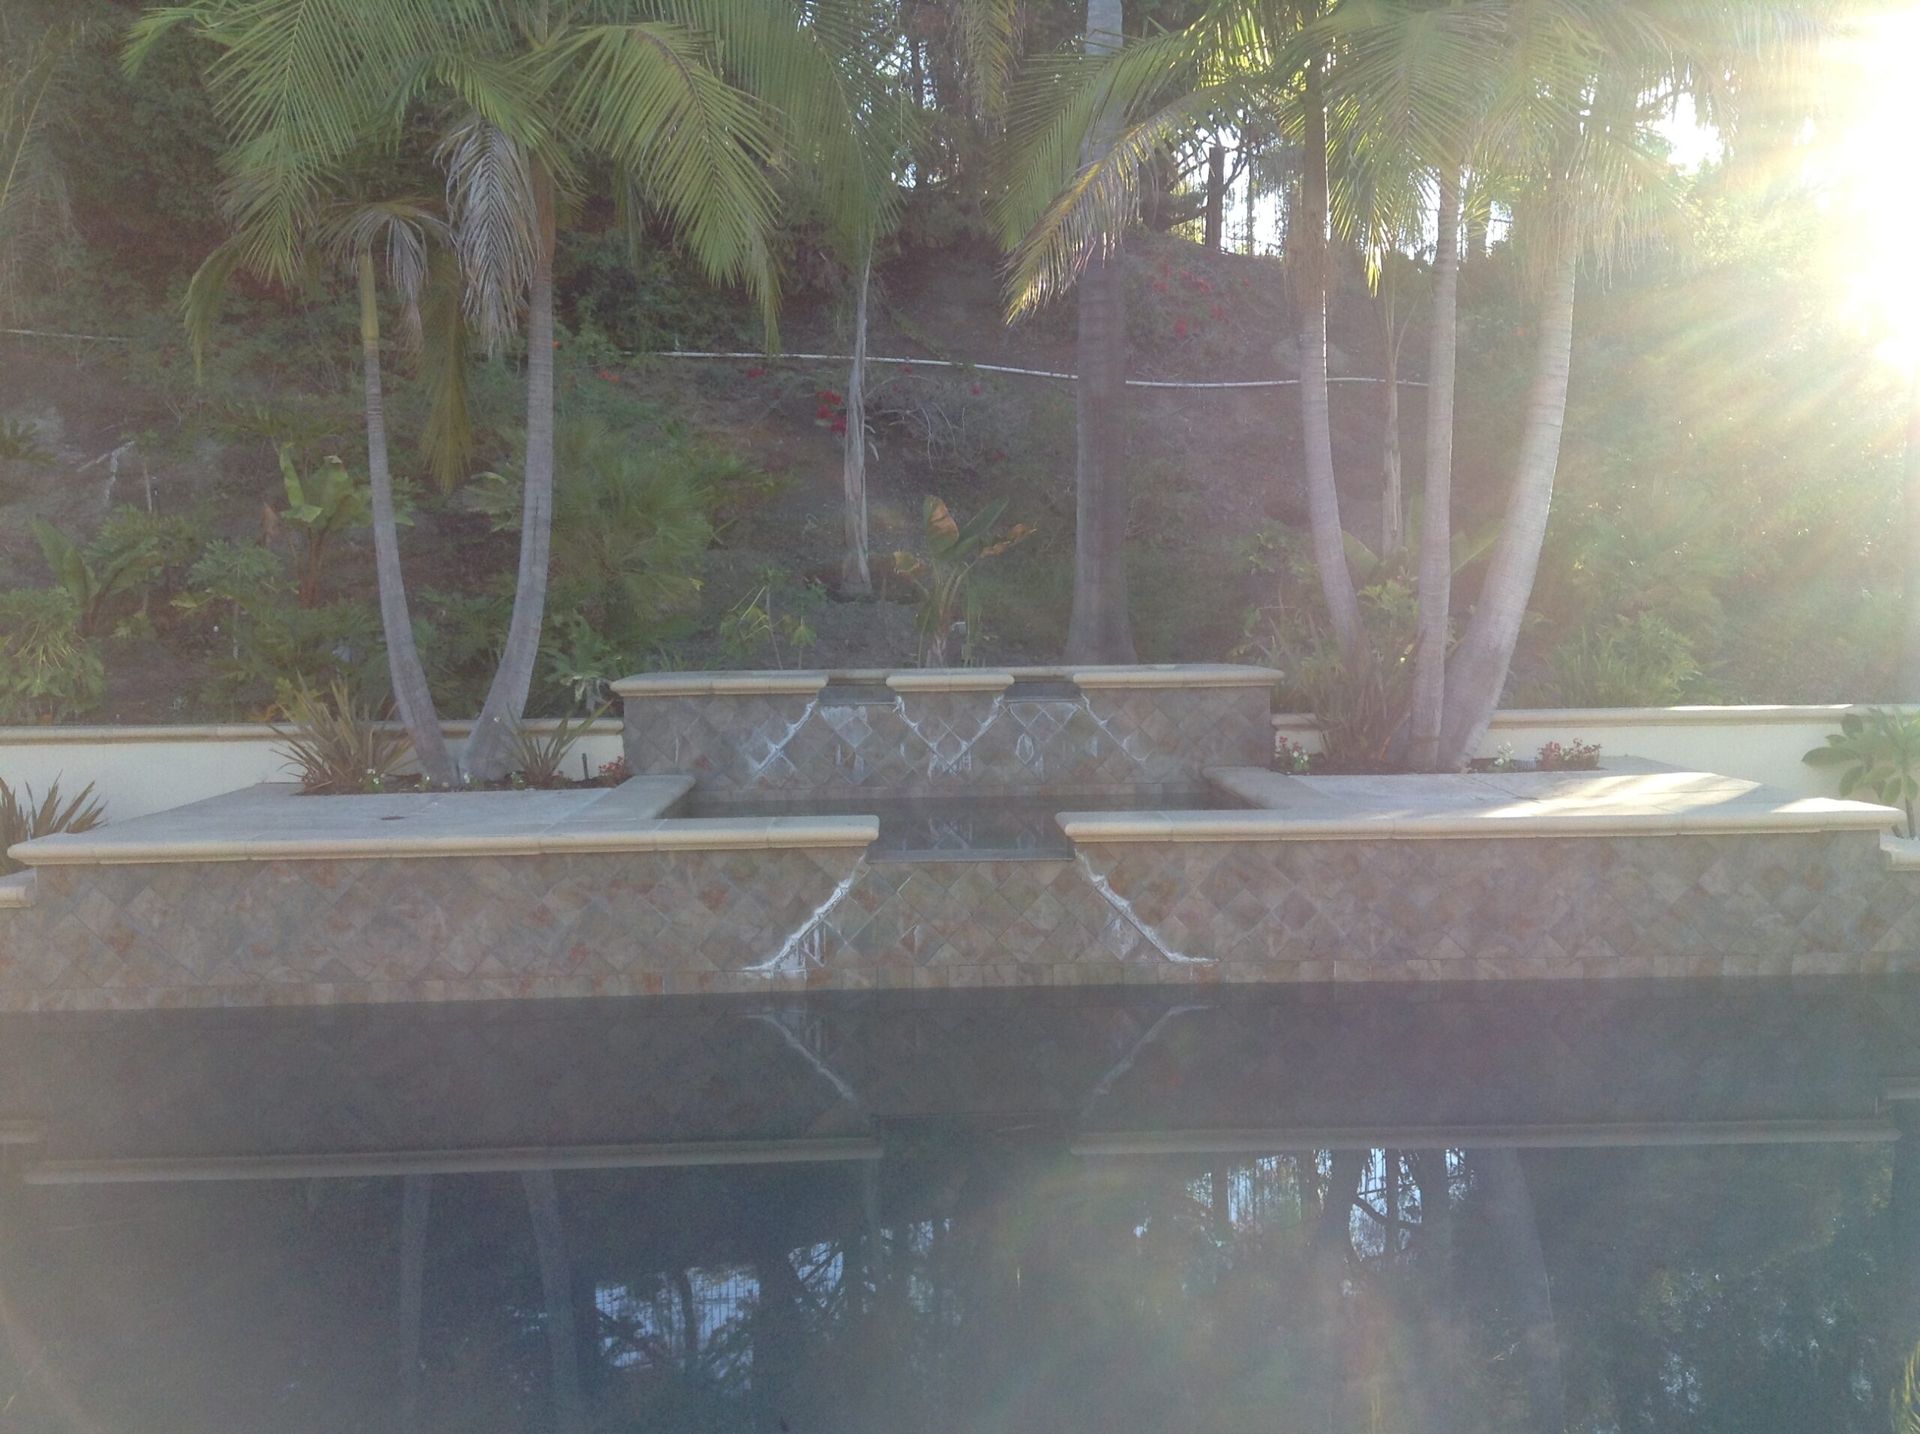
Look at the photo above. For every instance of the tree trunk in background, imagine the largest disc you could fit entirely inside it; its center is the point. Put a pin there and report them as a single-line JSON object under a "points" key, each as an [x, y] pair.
{"points": [[1478, 672], [1910, 659], [1517, 1237], [556, 1289], [415, 1198], [506, 704], [410, 694], [1903, 1260], [1439, 1329], [1393, 513], [1331, 1240], [1436, 526], [855, 577], [1311, 265], [1098, 629], [1216, 197]]}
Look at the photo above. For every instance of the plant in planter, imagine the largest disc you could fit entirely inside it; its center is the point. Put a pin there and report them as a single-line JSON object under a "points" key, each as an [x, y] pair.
{"points": [[1574, 756], [22, 818], [1877, 752], [336, 746], [538, 759]]}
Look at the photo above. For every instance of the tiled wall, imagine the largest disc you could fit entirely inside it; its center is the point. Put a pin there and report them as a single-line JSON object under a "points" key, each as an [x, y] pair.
{"points": [[318, 932], [1103, 739]]}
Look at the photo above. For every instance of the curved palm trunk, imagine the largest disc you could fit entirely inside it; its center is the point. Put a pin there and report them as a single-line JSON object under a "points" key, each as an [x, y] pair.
{"points": [[1098, 629], [556, 1288], [1910, 659], [506, 700], [1436, 529], [416, 1194], [1478, 672], [1517, 1237], [410, 693], [855, 576], [1316, 419]]}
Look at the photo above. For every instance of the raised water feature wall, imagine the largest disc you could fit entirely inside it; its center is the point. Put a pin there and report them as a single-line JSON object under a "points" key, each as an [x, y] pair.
{"points": [[1055, 730], [239, 932]]}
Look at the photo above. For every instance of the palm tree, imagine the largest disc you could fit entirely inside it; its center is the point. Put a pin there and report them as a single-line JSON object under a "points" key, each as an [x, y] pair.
{"points": [[1098, 627], [690, 104], [1236, 58], [362, 235]]}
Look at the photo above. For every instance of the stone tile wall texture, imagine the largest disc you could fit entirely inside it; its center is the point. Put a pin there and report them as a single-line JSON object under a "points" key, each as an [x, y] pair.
{"points": [[1107, 739], [322, 932]]}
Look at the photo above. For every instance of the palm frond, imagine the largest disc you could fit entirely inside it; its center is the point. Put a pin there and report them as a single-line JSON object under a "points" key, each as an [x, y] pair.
{"points": [[491, 203], [652, 98]]}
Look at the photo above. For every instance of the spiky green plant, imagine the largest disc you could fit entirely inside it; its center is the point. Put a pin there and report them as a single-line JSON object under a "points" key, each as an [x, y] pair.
{"points": [[336, 746], [22, 818], [539, 758]]}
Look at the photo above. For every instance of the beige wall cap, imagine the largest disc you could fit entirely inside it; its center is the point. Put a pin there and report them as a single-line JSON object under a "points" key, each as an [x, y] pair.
{"points": [[1175, 674], [950, 679]]}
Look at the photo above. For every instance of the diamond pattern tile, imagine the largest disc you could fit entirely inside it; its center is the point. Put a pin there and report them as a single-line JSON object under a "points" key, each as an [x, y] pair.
{"points": [[935, 741]]}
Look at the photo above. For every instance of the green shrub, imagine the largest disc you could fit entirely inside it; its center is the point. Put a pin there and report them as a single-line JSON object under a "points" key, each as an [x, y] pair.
{"points": [[133, 552], [1641, 661], [631, 523], [48, 670]]}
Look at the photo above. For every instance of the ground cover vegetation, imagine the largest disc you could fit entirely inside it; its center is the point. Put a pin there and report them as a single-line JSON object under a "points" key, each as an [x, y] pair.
{"points": [[416, 437]]}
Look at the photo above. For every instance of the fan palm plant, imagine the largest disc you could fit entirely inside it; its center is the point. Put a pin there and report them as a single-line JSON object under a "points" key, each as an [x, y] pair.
{"points": [[690, 105]]}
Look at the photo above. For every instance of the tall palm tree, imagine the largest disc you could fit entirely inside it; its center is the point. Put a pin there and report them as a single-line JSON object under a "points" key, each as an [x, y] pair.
{"points": [[1086, 134], [1098, 625], [394, 236], [691, 104]]}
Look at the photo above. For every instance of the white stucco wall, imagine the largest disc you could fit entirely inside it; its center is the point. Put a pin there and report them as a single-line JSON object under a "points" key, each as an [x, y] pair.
{"points": [[1762, 744], [145, 769]]}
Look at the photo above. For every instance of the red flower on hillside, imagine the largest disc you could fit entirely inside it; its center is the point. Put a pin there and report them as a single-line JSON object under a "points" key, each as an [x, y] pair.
{"points": [[1179, 328], [756, 372], [840, 424], [827, 395]]}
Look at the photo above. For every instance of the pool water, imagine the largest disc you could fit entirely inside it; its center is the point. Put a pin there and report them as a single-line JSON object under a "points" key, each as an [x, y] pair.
{"points": [[1673, 1209]]}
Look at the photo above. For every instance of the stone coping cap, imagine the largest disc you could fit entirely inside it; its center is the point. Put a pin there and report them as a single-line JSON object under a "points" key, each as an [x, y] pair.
{"points": [[272, 823], [708, 684], [950, 679], [916, 679], [1516, 804], [1175, 674], [1568, 718]]}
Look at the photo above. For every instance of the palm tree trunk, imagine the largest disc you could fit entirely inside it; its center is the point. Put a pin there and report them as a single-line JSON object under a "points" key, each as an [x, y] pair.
{"points": [[1517, 1237], [1393, 508], [1316, 419], [855, 576], [1478, 673], [506, 700], [416, 1193], [556, 1287], [1098, 628], [1910, 659], [410, 693], [1436, 528]]}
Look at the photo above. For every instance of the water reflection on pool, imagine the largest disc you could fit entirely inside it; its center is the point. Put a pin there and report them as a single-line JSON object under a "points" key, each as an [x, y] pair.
{"points": [[1671, 1208]]}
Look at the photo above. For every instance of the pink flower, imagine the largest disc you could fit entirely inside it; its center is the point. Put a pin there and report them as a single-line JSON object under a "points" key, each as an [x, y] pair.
{"points": [[1179, 328], [840, 424], [756, 372]]}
